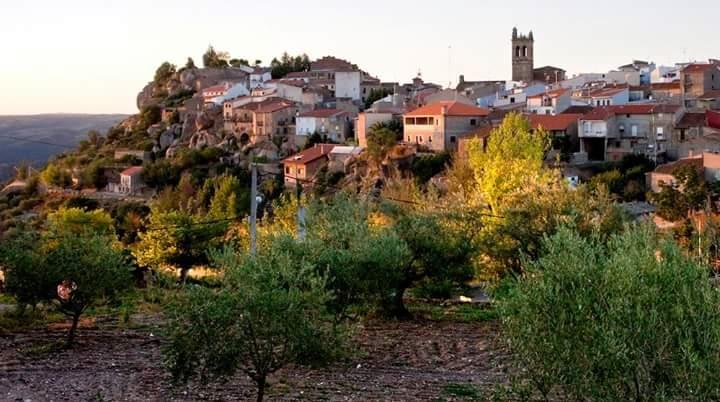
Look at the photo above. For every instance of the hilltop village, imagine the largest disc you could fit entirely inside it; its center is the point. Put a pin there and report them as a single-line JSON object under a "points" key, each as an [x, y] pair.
{"points": [[304, 230]]}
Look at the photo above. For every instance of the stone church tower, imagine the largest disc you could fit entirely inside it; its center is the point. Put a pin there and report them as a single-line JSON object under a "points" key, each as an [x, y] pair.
{"points": [[522, 56]]}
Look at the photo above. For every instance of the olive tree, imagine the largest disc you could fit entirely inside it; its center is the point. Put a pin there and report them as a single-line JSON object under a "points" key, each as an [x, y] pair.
{"points": [[270, 312], [629, 318], [71, 271]]}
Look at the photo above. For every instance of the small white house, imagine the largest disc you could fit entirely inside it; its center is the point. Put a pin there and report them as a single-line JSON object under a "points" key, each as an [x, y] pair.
{"points": [[610, 96], [550, 103], [131, 180], [331, 122]]}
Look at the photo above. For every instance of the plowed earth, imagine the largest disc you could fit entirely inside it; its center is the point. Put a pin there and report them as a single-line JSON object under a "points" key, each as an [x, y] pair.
{"points": [[395, 361]]}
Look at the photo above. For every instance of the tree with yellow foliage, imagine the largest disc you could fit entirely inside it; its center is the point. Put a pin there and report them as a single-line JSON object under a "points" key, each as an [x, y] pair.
{"points": [[512, 159]]}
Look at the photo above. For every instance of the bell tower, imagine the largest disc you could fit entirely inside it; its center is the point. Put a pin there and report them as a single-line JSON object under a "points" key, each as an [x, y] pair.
{"points": [[522, 56]]}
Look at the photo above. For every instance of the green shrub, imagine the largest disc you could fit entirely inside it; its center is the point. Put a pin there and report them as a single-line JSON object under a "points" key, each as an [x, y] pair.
{"points": [[632, 318]]}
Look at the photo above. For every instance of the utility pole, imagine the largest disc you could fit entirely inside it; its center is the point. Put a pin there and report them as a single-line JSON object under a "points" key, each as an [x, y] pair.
{"points": [[253, 209], [300, 213]]}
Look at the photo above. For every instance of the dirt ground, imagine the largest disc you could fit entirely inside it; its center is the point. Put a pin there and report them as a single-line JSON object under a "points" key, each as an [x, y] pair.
{"points": [[396, 361]]}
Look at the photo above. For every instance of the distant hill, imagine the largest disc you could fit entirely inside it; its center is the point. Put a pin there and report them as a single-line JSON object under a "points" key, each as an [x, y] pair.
{"points": [[62, 129]]}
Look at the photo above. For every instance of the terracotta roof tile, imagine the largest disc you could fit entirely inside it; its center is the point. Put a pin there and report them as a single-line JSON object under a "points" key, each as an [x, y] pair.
{"points": [[670, 168], [449, 108], [604, 112], [553, 123], [699, 67], [132, 171], [310, 154]]}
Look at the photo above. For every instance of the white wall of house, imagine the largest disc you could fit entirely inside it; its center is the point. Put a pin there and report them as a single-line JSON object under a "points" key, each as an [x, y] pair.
{"points": [[257, 79], [620, 98], [305, 126], [347, 85], [593, 129]]}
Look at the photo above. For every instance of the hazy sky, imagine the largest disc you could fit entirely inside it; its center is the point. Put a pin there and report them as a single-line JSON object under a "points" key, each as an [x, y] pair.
{"points": [[93, 56]]}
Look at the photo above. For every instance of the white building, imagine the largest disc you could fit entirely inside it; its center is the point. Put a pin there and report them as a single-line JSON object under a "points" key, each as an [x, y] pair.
{"points": [[259, 76], [551, 102], [334, 123], [348, 85], [609, 96]]}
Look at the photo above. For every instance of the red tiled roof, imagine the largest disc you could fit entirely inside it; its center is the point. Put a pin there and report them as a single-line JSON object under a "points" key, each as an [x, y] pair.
{"points": [[215, 88], [298, 74], [551, 94], [578, 109], [670, 168], [665, 86], [322, 113], [292, 82], [699, 67], [449, 108], [604, 92], [553, 123], [132, 171], [310, 154], [690, 120], [331, 63], [604, 112], [268, 105]]}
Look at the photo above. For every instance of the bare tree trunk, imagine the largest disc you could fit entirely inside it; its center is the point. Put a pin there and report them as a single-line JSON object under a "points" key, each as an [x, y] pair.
{"points": [[73, 329], [395, 306], [260, 389]]}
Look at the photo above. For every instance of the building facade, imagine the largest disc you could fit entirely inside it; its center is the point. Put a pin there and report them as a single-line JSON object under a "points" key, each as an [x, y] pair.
{"points": [[440, 125]]}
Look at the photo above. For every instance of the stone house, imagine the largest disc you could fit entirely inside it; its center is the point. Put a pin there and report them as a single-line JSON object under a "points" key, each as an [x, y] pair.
{"points": [[302, 167], [698, 81], [549, 74], [258, 121], [438, 126], [609, 133], [707, 164]]}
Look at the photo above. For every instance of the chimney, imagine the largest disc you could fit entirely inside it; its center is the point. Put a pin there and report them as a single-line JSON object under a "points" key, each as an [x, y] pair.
{"points": [[444, 110], [462, 79]]}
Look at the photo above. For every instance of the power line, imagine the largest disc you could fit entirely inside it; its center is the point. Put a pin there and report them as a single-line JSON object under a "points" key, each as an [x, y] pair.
{"points": [[409, 202]]}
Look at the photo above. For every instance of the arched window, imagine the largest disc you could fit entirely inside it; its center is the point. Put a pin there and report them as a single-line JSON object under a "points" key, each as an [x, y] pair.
{"points": [[517, 51], [525, 51]]}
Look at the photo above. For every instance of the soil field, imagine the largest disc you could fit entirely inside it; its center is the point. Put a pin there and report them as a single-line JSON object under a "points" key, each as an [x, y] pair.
{"points": [[395, 361]]}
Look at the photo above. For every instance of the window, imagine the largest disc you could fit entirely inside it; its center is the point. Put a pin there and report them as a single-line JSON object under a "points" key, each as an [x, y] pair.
{"points": [[431, 120], [634, 130], [473, 122], [421, 121], [300, 171], [512, 99], [517, 51], [410, 121], [429, 139], [621, 128], [452, 139], [287, 170], [525, 51], [421, 139], [409, 139]]}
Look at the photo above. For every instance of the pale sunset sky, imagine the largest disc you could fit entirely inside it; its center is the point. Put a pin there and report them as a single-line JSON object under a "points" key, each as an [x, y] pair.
{"points": [[93, 56]]}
